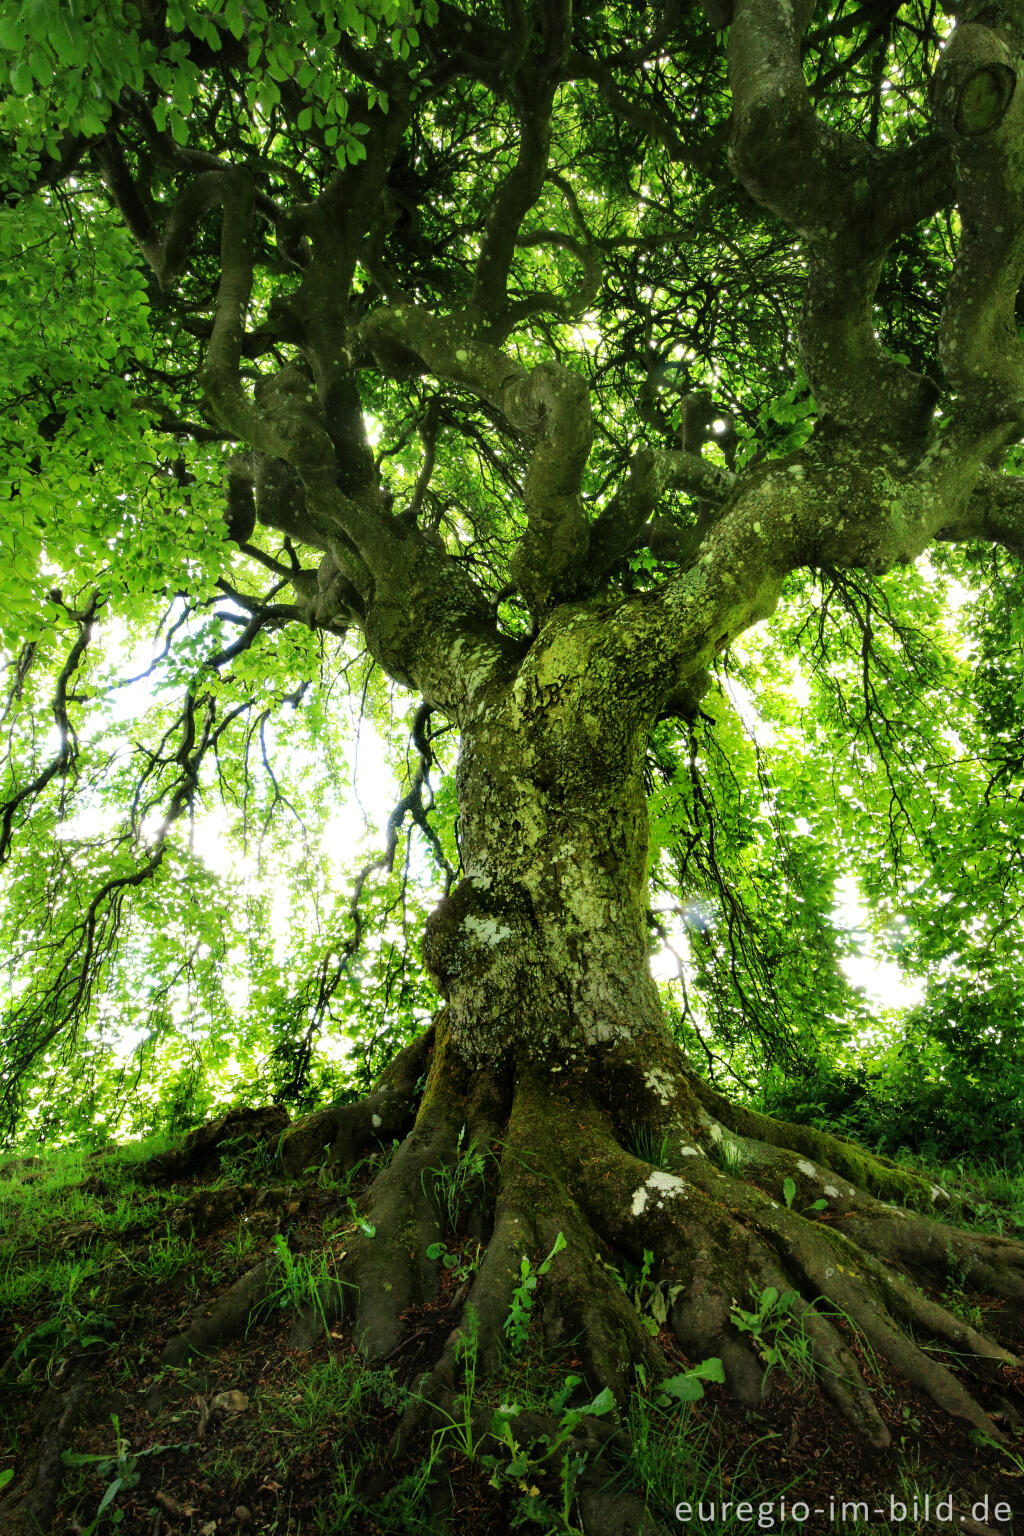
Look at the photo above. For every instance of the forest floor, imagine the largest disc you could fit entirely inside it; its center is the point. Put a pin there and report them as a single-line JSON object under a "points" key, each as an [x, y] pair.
{"points": [[101, 1265]]}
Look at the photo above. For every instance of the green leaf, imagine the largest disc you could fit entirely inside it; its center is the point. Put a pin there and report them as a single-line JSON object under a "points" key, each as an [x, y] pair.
{"points": [[235, 19], [604, 1402], [684, 1388], [22, 77], [110, 1495]]}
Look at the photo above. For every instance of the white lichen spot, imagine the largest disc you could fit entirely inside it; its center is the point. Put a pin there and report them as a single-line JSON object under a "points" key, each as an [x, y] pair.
{"points": [[716, 1131], [689, 1152], [660, 1083], [829, 1273], [604, 1030], [808, 1168], [376, 1122], [668, 1184], [487, 929], [831, 1191], [639, 1201]]}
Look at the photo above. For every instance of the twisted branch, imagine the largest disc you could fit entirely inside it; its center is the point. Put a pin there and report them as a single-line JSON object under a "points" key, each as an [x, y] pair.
{"points": [[849, 200]]}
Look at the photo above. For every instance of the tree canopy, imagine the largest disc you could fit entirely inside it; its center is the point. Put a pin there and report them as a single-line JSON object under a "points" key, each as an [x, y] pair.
{"points": [[439, 219]]}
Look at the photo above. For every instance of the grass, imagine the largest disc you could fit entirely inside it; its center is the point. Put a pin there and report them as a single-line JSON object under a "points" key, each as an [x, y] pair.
{"points": [[986, 1194], [40, 1194], [334, 1403], [165, 1257], [681, 1457], [72, 1325], [730, 1156], [336, 1391], [319, 1425], [244, 1161], [648, 1149], [303, 1284], [455, 1184], [64, 1217], [675, 1458], [240, 1248]]}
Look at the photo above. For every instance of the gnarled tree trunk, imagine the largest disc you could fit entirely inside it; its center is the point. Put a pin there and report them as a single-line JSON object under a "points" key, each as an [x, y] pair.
{"points": [[553, 1056]]}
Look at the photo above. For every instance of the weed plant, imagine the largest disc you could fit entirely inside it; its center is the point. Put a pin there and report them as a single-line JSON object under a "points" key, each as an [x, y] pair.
{"points": [[457, 1183]]}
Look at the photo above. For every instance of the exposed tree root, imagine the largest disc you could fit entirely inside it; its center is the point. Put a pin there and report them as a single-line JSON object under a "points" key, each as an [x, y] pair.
{"points": [[732, 1205], [349, 1131], [241, 1130], [229, 1318], [59, 1413], [345, 1132]]}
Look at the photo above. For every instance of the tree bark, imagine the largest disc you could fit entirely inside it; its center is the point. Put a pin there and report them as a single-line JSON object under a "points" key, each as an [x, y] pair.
{"points": [[541, 951]]}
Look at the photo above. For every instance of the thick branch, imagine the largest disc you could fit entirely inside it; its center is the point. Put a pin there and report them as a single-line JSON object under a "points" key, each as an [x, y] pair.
{"points": [[296, 468], [781, 517], [166, 251], [550, 551], [416, 604], [994, 512], [849, 200], [549, 405], [220, 376], [980, 106], [283, 422], [534, 87]]}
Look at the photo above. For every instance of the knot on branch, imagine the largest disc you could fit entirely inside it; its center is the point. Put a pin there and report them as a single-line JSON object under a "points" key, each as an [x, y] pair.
{"points": [[551, 398], [279, 497], [985, 98], [240, 512], [719, 14], [974, 83], [469, 931], [683, 703], [327, 599], [289, 407]]}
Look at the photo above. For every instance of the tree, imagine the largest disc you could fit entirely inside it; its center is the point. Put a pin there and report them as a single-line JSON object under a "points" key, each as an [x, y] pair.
{"points": [[539, 346]]}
